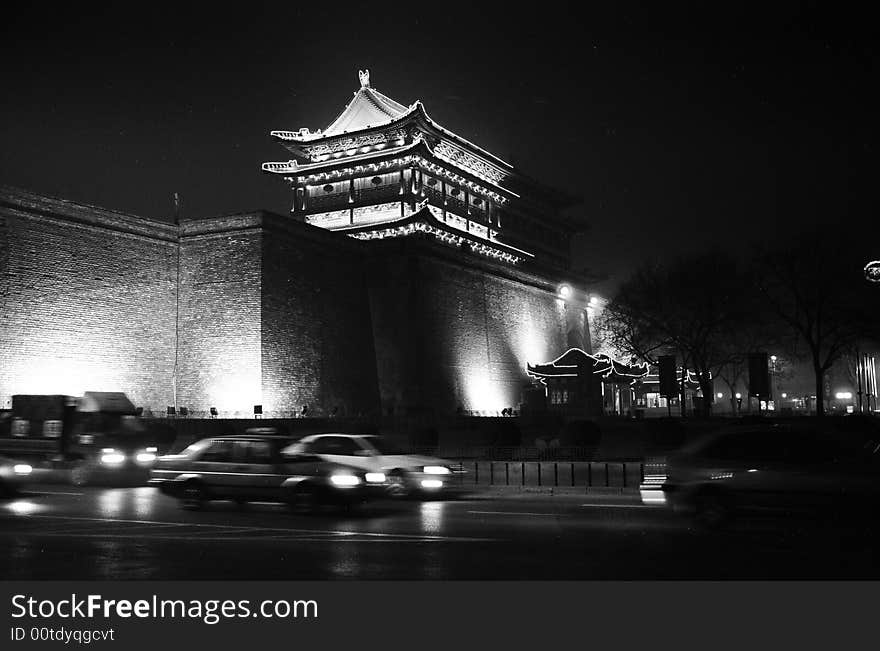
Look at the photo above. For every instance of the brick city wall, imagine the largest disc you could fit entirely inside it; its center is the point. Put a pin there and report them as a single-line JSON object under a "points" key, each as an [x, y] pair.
{"points": [[87, 297], [452, 332], [271, 312], [220, 347], [316, 332]]}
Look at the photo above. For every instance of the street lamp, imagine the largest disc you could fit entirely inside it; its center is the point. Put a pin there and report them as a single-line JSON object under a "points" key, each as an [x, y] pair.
{"points": [[772, 379]]}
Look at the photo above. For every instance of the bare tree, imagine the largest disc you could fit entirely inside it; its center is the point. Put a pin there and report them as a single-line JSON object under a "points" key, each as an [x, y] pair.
{"points": [[816, 288], [693, 306]]}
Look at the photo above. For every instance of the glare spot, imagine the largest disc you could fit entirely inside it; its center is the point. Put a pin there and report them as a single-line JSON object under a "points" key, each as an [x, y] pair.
{"points": [[24, 507]]}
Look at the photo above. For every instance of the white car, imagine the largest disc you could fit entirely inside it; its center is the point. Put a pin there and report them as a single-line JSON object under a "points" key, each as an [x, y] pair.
{"points": [[406, 473]]}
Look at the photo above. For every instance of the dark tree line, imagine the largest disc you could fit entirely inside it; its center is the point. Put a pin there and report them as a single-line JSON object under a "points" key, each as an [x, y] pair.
{"points": [[808, 296]]}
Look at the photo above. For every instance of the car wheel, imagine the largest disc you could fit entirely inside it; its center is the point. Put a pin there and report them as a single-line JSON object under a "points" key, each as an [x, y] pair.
{"points": [[712, 509], [193, 496], [81, 474], [305, 498], [398, 484]]}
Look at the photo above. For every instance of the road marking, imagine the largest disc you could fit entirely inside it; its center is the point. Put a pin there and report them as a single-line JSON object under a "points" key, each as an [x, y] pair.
{"points": [[323, 532], [55, 493], [312, 538], [617, 506], [516, 513]]}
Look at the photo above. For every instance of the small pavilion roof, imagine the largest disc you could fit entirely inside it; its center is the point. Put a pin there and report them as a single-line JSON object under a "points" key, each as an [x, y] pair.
{"points": [[576, 362]]}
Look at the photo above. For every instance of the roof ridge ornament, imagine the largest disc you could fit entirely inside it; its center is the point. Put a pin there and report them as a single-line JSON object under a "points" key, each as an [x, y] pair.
{"points": [[364, 76]]}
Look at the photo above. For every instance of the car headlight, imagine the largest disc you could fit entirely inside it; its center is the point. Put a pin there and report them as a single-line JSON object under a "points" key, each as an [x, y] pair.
{"points": [[345, 480], [111, 457], [375, 477], [436, 470], [22, 469], [146, 457]]}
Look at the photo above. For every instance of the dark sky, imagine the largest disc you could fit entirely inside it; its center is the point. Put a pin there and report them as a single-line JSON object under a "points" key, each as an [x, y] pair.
{"points": [[681, 128]]}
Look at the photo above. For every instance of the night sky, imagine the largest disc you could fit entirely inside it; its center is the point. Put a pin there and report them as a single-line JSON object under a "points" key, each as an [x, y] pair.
{"points": [[680, 129]]}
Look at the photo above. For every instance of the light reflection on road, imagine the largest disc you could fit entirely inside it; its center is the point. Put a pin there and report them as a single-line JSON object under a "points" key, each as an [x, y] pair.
{"points": [[127, 502], [431, 515], [137, 533]]}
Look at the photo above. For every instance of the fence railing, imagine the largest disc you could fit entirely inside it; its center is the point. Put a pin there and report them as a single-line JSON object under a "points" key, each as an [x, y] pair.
{"points": [[558, 474]]}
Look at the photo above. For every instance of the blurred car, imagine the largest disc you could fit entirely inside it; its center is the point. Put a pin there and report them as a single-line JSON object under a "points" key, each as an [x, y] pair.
{"points": [[781, 470], [256, 467], [13, 475], [407, 474], [115, 464]]}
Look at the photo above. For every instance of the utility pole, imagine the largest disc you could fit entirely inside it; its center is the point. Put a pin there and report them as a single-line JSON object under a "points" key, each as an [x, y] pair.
{"points": [[176, 302], [859, 372], [683, 389]]}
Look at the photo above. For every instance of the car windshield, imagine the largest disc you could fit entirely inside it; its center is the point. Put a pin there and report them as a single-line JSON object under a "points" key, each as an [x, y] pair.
{"points": [[383, 446], [196, 447], [294, 449]]}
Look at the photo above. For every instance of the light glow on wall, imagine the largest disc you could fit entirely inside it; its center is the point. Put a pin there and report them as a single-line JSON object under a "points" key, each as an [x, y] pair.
{"points": [[482, 394], [237, 393], [532, 344], [71, 377]]}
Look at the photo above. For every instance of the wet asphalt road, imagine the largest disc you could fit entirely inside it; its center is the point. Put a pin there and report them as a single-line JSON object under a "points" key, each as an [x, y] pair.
{"points": [[65, 532]]}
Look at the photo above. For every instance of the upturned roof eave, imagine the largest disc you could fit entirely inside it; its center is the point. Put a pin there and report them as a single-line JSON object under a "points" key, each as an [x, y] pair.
{"points": [[324, 137], [424, 214], [419, 147], [416, 111], [331, 165]]}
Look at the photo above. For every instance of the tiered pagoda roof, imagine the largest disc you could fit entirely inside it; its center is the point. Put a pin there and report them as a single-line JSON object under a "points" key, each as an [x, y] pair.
{"points": [[343, 180], [370, 111]]}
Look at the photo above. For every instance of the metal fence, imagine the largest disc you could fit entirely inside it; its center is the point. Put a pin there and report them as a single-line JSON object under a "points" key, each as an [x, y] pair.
{"points": [[559, 474]]}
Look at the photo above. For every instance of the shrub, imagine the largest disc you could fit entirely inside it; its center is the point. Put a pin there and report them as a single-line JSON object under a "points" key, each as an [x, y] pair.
{"points": [[580, 434], [666, 433]]}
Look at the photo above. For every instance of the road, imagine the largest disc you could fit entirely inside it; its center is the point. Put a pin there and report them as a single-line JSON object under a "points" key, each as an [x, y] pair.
{"points": [[65, 532]]}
